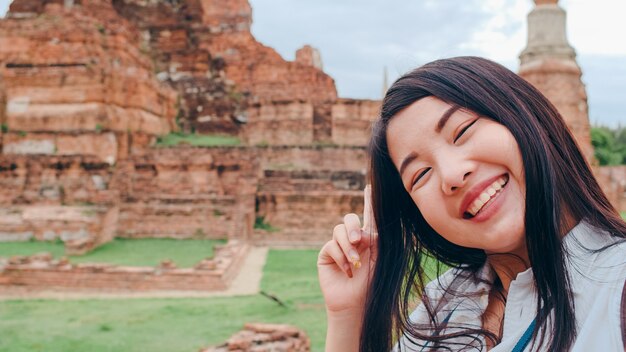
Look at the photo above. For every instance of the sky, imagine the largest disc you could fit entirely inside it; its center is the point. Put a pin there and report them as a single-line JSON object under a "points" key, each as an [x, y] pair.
{"points": [[358, 39]]}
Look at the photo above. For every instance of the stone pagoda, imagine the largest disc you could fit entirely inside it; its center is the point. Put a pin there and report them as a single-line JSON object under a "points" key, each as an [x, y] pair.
{"points": [[549, 63]]}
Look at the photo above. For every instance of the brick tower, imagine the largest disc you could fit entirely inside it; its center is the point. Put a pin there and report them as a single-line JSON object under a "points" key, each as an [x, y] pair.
{"points": [[549, 63]]}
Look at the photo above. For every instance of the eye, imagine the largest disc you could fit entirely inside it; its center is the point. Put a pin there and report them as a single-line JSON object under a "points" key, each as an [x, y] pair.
{"points": [[464, 130], [419, 176]]}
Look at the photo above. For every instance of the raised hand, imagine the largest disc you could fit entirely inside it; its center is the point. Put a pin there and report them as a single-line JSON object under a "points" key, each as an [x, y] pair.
{"points": [[346, 263]]}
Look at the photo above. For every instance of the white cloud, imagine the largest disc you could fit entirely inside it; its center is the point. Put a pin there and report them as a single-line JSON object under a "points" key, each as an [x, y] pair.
{"points": [[503, 36], [596, 27]]}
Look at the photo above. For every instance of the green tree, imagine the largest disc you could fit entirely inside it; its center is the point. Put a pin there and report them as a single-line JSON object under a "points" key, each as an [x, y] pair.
{"points": [[609, 145]]}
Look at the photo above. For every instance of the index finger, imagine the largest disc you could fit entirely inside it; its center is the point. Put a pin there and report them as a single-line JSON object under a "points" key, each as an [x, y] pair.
{"points": [[368, 213]]}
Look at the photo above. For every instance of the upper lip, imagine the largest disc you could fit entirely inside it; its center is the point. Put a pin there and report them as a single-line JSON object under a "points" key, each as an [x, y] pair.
{"points": [[475, 191]]}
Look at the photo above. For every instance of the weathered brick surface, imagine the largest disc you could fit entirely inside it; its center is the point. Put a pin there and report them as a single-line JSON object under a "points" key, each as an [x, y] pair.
{"points": [[559, 80], [265, 337], [549, 63], [352, 120], [81, 228], [304, 218], [311, 180], [188, 171], [56, 180], [204, 49], [104, 146], [180, 193], [74, 70], [255, 67], [189, 192], [613, 182], [309, 56], [172, 33], [41, 271], [280, 123], [267, 79], [3, 102], [351, 158]]}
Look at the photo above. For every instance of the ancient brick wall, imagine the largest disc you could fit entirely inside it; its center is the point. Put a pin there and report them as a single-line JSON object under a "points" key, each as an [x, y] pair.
{"points": [[91, 84], [303, 218], [180, 193], [205, 50], [65, 197], [44, 272], [280, 123], [315, 157], [171, 33], [612, 179], [261, 74], [190, 192], [306, 191], [77, 82], [352, 121], [56, 180], [254, 67], [309, 56]]}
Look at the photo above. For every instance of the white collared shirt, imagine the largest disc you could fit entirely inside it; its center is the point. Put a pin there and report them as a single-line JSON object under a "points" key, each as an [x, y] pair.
{"points": [[597, 281]]}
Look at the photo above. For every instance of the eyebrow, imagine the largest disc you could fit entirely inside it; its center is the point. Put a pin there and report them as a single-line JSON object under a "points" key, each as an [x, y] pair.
{"points": [[445, 117], [442, 122]]}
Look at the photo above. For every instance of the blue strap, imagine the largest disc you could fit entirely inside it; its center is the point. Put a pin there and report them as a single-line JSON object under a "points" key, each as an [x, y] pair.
{"points": [[445, 321], [525, 339], [519, 346]]}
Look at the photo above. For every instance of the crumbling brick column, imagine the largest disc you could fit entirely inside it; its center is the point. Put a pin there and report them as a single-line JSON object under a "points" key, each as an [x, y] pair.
{"points": [[549, 63]]}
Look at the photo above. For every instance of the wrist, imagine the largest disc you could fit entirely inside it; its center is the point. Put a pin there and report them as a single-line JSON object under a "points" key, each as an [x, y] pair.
{"points": [[344, 315], [344, 330]]}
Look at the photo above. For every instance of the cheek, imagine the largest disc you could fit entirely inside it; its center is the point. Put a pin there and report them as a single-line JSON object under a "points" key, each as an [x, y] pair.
{"points": [[432, 208]]}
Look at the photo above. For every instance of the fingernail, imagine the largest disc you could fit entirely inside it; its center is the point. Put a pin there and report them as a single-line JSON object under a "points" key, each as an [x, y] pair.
{"points": [[346, 268], [354, 256], [354, 236]]}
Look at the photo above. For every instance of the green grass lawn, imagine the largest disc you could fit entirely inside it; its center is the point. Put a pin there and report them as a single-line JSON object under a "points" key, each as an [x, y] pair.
{"points": [[624, 215], [133, 252], [168, 325], [197, 140]]}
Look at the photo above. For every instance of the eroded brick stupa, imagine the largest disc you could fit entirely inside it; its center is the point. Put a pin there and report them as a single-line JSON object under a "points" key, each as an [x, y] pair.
{"points": [[549, 63], [91, 85]]}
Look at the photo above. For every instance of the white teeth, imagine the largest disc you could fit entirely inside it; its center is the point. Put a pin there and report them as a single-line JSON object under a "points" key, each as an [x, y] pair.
{"points": [[487, 194]]}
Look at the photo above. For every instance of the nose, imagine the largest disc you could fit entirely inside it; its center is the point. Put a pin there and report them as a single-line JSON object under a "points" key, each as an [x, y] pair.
{"points": [[454, 177]]}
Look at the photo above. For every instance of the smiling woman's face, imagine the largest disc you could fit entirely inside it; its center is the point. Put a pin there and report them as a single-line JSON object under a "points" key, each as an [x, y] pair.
{"points": [[464, 173]]}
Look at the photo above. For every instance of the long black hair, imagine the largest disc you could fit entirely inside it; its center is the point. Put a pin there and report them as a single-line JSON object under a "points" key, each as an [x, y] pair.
{"points": [[558, 181]]}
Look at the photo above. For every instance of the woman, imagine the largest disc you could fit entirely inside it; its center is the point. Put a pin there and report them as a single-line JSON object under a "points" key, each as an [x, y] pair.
{"points": [[472, 166]]}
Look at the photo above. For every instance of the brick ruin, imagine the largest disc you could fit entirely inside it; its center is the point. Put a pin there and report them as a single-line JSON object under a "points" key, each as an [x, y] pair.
{"points": [[265, 337], [41, 271], [77, 83], [83, 111], [228, 82], [549, 63]]}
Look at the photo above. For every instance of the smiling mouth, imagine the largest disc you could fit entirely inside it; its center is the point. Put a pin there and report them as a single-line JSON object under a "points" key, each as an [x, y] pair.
{"points": [[486, 197]]}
